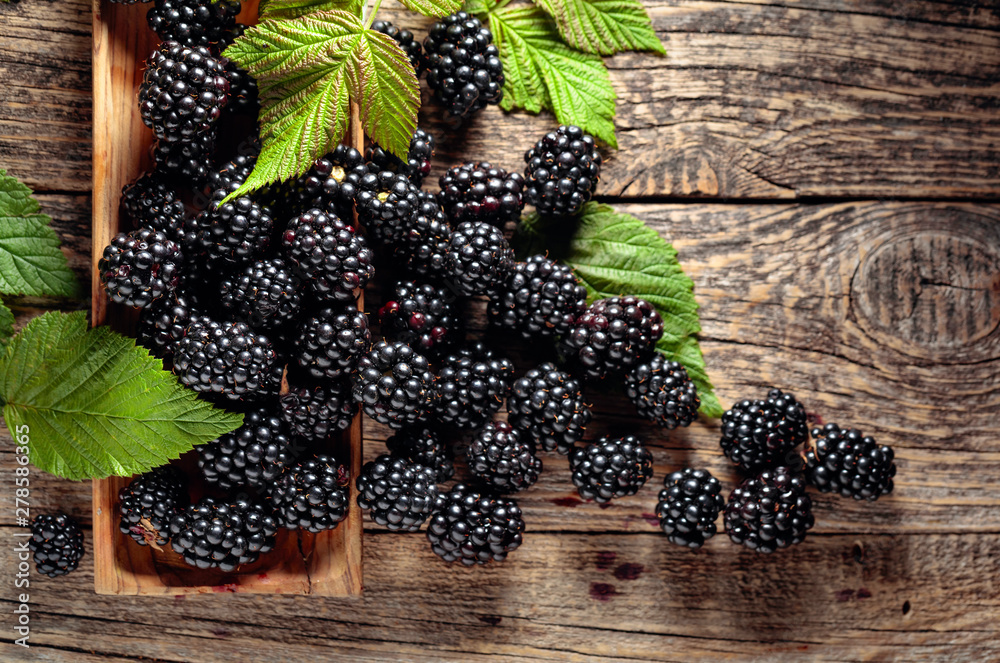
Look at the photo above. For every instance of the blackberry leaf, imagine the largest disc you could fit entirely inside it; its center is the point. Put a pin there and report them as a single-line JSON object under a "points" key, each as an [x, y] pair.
{"points": [[604, 27], [385, 85], [286, 9], [433, 8]]}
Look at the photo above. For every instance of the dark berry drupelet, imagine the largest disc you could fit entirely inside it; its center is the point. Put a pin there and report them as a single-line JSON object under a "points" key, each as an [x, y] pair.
{"points": [[330, 343], [845, 461], [423, 316], [423, 251], [264, 294], [317, 412], [406, 42], [140, 267], [162, 324], [481, 192], [418, 158], [311, 495], [398, 494], [562, 172], [56, 543], [471, 385], [463, 65], [249, 457], [614, 335], [689, 505], [542, 298], [474, 527], [149, 502], [769, 511], [547, 404], [423, 446], [387, 203], [333, 260], [189, 160], [193, 22], [329, 185], [394, 385], [214, 534], [227, 360], [237, 231], [151, 201], [759, 433], [243, 92], [610, 468], [480, 260], [663, 393], [500, 459]]}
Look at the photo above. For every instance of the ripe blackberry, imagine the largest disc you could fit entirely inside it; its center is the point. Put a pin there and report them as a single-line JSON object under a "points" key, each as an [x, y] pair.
{"points": [[769, 511], [334, 261], [471, 386], [474, 527], [393, 384], [243, 92], [139, 267], [481, 192], [479, 259], [501, 460], [759, 433], [265, 294], [689, 505], [214, 534], [237, 231], [562, 172], [423, 446], [422, 316], [162, 324], [614, 335], [423, 251], [548, 405], [406, 42], [463, 65], [311, 495], [330, 185], [663, 393], [56, 543], [610, 468], [398, 494], [316, 413], [330, 343], [183, 91], [193, 22], [249, 457], [149, 502], [227, 360], [847, 462], [542, 298], [190, 160], [151, 201], [387, 204], [418, 158]]}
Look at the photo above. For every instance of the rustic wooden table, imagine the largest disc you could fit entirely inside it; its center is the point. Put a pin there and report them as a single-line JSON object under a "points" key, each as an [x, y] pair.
{"points": [[829, 171]]}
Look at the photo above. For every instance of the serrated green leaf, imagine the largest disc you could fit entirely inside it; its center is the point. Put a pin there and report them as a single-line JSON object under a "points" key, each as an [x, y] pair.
{"points": [[604, 27], [478, 6], [286, 9], [95, 404], [30, 260], [6, 324], [433, 7], [383, 81]]}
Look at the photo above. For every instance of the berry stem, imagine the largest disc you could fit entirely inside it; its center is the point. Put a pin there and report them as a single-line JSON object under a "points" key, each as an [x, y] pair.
{"points": [[371, 15]]}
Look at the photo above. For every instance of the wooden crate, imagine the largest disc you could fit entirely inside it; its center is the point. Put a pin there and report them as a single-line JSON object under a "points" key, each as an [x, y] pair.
{"points": [[327, 564]]}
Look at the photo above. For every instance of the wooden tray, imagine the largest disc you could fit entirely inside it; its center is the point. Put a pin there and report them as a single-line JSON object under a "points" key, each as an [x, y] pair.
{"points": [[327, 564]]}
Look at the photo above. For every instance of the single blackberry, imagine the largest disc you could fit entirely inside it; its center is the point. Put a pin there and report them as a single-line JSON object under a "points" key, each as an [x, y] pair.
{"points": [[330, 343], [394, 384], [183, 92], [542, 298], [151, 201], [316, 413], [227, 360], [562, 172], [243, 92], [847, 462], [423, 251], [193, 22], [663, 393], [501, 460], [387, 205], [689, 505], [149, 502], [56, 543], [481, 192], [139, 267], [614, 335], [463, 65], [190, 160], [769, 511], [418, 158], [548, 405], [398, 494], [474, 527], [162, 324], [233, 172], [610, 468], [334, 261], [759, 433], [265, 294], [330, 185], [213, 534], [406, 42], [249, 457], [311, 495], [423, 446], [471, 386], [237, 231], [422, 316], [479, 259]]}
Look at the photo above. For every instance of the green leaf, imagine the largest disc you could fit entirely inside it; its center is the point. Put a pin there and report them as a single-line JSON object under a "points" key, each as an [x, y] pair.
{"points": [[6, 324], [383, 81], [97, 405], [30, 260], [286, 9], [542, 72], [604, 26], [433, 7], [478, 6]]}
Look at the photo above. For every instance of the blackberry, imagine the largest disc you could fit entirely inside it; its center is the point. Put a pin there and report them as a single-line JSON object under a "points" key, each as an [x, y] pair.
{"points": [[161, 325], [139, 267], [227, 360], [548, 405], [463, 65], [418, 158], [479, 259], [316, 413], [214, 534], [193, 22], [759, 433], [614, 335], [190, 160], [405, 39], [183, 92], [423, 446], [422, 316], [474, 527], [237, 231], [151, 201], [689, 505], [398, 494], [542, 298], [562, 172], [264, 294], [663, 393], [424, 249], [501, 460], [243, 92], [769, 511], [149, 502], [334, 261], [330, 343], [249, 457], [847, 462], [471, 386], [330, 185], [387, 204], [232, 173], [481, 192], [56, 543], [610, 468], [393, 384], [311, 495]]}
